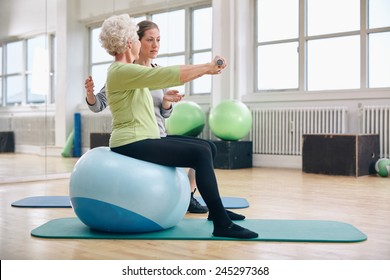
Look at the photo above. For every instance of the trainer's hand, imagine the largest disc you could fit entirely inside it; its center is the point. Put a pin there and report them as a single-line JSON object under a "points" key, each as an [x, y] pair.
{"points": [[89, 85], [171, 96], [89, 88]]}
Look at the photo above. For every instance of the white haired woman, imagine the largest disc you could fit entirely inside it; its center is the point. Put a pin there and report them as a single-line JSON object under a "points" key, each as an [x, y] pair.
{"points": [[135, 132], [149, 35]]}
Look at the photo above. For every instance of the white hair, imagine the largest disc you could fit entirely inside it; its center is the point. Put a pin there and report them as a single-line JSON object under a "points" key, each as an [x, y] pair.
{"points": [[116, 32]]}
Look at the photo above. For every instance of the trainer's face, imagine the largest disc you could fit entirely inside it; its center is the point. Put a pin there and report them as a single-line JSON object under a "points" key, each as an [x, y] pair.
{"points": [[135, 49], [150, 43]]}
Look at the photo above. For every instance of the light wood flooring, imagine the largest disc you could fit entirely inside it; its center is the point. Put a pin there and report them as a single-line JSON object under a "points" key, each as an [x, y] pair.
{"points": [[272, 194]]}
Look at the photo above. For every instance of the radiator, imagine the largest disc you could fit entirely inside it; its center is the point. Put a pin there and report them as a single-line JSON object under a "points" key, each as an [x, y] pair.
{"points": [[376, 120], [279, 131], [94, 123]]}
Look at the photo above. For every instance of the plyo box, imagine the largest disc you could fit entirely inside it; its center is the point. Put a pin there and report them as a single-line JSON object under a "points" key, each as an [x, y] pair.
{"points": [[340, 154], [233, 154], [98, 139], [7, 142]]}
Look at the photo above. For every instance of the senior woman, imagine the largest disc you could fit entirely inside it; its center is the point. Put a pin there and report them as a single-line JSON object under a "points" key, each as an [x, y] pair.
{"points": [[134, 127], [149, 36]]}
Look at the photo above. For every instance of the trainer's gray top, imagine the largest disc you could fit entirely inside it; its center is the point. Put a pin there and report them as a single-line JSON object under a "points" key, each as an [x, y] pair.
{"points": [[157, 95]]}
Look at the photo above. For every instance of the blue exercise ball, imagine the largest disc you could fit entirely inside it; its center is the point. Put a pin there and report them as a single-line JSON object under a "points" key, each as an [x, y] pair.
{"points": [[115, 193], [187, 119], [230, 120]]}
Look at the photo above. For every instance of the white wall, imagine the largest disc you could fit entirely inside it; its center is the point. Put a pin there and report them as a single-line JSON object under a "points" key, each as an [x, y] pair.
{"points": [[26, 17]]}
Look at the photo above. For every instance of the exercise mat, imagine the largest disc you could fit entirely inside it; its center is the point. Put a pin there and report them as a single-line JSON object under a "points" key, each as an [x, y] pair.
{"points": [[229, 202], [201, 229], [64, 202], [43, 202]]}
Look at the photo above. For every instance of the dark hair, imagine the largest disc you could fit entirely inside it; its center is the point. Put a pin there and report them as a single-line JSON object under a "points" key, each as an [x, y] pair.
{"points": [[144, 26]]}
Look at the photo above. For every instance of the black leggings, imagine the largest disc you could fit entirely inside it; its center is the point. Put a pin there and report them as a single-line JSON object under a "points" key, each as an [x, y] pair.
{"points": [[210, 143], [179, 151]]}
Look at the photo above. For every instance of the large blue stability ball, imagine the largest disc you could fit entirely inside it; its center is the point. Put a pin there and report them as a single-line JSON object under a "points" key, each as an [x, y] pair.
{"points": [[230, 120], [115, 193], [187, 119]]}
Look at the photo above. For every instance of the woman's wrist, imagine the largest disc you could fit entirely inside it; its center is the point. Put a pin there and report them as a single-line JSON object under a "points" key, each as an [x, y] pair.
{"points": [[166, 105], [91, 100]]}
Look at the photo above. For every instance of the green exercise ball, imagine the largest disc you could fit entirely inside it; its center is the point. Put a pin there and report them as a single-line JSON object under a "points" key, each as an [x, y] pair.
{"points": [[230, 120], [187, 119], [382, 167]]}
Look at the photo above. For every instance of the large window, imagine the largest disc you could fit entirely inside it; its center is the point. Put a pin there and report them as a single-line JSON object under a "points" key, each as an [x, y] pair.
{"points": [[1, 75], [14, 72], [185, 38], [333, 60], [312, 45], [176, 49], [277, 44], [27, 70], [201, 43], [37, 70], [172, 34], [379, 43], [100, 60]]}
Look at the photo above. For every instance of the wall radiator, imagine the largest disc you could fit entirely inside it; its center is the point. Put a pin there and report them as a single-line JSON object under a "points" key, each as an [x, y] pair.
{"points": [[279, 131], [376, 120], [92, 122]]}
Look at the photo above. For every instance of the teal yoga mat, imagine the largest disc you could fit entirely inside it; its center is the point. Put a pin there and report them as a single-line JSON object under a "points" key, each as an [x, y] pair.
{"points": [[64, 202], [43, 202], [201, 229]]}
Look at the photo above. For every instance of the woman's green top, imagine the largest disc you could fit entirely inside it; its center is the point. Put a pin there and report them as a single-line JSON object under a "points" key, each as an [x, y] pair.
{"points": [[131, 104]]}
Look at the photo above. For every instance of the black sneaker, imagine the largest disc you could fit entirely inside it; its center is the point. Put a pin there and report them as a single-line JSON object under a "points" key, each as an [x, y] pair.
{"points": [[195, 206]]}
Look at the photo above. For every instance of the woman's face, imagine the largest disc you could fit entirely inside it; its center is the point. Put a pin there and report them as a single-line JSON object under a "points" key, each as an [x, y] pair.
{"points": [[150, 43], [135, 49]]}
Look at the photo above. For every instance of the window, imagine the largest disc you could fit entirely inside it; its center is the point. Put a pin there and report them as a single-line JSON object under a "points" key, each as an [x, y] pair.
{"points": [[379, 11], [332, 16], [325, 51], [172, 34], [277, 44], [1, 75], [25, 63], [201, 46], [379, 43], [176, 49], [276, 61], [379, 60], [14, 72], [334, 63], [100, 60], [37, 70], [333, 60]]}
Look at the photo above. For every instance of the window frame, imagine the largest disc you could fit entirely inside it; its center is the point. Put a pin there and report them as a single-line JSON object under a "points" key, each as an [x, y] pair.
{"points": [[364, 31], [188, 52], [25, 73]]}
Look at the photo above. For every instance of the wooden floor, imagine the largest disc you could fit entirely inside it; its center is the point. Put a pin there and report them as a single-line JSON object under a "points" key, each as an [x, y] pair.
{"points": [[272, 194]]}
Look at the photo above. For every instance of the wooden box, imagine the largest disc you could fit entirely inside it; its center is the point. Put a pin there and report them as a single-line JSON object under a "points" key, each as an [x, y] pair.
{"points": [[98, 139], [340, 154], [233, 154], [7, 142]]}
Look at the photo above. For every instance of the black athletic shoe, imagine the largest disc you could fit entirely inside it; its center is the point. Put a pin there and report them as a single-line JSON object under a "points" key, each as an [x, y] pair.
{"points": [[195, 206]]}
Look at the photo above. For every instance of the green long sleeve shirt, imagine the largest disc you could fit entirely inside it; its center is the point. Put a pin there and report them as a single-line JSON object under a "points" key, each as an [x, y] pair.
{"points": [[131, 104]]}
